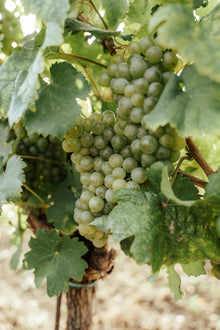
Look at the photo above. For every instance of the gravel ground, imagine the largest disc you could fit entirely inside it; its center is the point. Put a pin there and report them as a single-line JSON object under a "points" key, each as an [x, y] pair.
{"points": [[124, 300]]}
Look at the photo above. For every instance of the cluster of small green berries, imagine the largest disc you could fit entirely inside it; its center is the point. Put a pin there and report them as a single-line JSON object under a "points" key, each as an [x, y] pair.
{"points": [[113, 151], [44, 158]]}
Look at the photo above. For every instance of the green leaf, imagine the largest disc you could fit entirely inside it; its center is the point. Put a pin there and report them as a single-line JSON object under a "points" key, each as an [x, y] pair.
{"points": [[74, 26], [53, 14], [184, 189], [193, 40], [5, 147], [16, 239], [11, 180], [138, 10], [57, 259], [195, 268], [57, 108], [17, 62], [114, 11], [198, 106], [174, 282], [101, 223], [61, 211], [213, 187]]}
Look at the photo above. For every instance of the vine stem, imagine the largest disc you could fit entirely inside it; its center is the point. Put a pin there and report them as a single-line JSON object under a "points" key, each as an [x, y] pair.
{"points": [[36, 195], [197, 181], [178, 167], [57, 320], [195, 153], [98, 13], [80, 58], [93, 83]]}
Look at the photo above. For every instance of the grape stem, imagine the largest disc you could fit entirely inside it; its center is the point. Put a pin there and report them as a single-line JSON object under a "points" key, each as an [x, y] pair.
{"points": [[36, 195], [178, 167], [92, 82], [195, 153]]}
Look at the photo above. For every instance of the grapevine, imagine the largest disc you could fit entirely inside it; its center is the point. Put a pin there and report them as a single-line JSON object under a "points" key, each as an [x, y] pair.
{"points": [[112, 130]]}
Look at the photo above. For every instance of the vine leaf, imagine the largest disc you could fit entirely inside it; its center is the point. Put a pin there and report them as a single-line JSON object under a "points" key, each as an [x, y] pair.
{"points": [[193, 40], [63, 206], [174, 282], [57, 259], [114, 11], [101, 223], [198, 105], [53, 14], [184, 188], [75, 26], [195, 268], [57, 108], [9, 71], [11, 180], [5, 148]]}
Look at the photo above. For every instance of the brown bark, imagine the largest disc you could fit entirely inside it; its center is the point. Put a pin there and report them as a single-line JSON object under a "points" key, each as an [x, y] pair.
{"points": [[79, 304]]}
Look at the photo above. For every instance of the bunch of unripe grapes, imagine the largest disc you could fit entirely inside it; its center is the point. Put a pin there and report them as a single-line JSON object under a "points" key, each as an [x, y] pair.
{"points": [[112, 151], [44, 158]]}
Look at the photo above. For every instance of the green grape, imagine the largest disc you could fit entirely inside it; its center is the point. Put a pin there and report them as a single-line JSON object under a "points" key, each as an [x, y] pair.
{"points": [[86, 163], [86, 196], [119, 173], [108, 95], [149, 144], [115, 160], [110, 196], [170, 130], [126, 152], [107, 113], [86, 229], [98, 127], [98, 234], [155, 89], [98, 243], [137, 69], [109, 120], [106, 153], [76, 131], [170, 60], [149, 103], [134, 58], [136, 148], [34, 137], [76, 157], [85, 179], [119, 85], [104, 79], [78, 168], [141, 132], [118, 142], [117, 58], [112, 69], [153, 74], [139, 175], [85, 217], [108, 134], [33, 150], [124, 107], [165, 77], [123, 71], [129, 164], [106, 168], [108, 207], [87, 124], [129, 90], [71, 144], [81, 206], [166, 141], [158, 132], [118, 130], [162, 153], [136, 115], [97, 165], [93, 151], [27, 141], [101, 191], [97, 179], [118, 184], [137, 99], [130, 132], [147, 160], [96, 204], [154, 54], [108, 180], [100, 142], [145, 43], [134, 47], [178, 143], [92, 188], [174, 156], [84, 151], [117, 97], [132, 185], [141, 85]]}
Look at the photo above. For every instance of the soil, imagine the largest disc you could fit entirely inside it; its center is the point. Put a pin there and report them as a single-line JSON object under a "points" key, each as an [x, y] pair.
{"points": [[124, 300]]}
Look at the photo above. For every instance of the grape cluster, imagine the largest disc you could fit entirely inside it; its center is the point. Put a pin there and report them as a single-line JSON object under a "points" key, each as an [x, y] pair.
{"points": [[113, 151], [44, 159]]}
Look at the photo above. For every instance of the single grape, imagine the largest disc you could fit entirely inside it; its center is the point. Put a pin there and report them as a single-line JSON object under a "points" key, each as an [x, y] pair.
{"points": [[98, 127], [100, 142], [137, 68], [85, 217], [106, 168], [84, 151], [106, 153], [170, 60], [108, 95], [132, 185], [93, 151], [75, 131], [104, 79], [155, 89], [86, 196], [153, 54], [136, 148], [97, 179], [112, 69], [162, 153], [96, 204], [123, 71], [87, 124], [178, 143], [108, 134], [118, 184], [141, 85], [137, 99], [134, 47], [119, 173], [126, 152], [136, 115], [85, 178], [100, 191], [119, 85], [71, 144], [129, 164], [149, 103], [110, 196], [149, 144], [166, 141], [153, 74], [98, 243], [130, 132], [108, 180], [141, 132], [109, 120], [97, 165], [117, 59], [116, 160], [139, 175], [118, 142], [129, 90], [147, 160], [86, 163], [145, 43]]}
